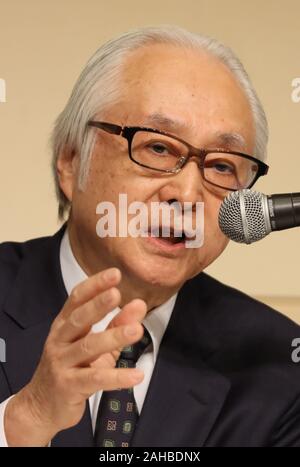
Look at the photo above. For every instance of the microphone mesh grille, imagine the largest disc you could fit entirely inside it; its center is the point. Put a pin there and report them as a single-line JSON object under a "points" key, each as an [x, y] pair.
{"points": [[230, 217]]}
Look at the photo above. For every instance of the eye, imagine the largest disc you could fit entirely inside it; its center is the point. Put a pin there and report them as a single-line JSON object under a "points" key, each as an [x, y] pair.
{"points": [[221, 167], [159, 148]]}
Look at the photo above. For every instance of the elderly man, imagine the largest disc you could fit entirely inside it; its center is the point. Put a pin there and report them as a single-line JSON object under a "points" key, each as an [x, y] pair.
{"points": [[123, 340]]}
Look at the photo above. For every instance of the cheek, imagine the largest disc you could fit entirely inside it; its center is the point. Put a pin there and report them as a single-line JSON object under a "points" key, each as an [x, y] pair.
{"points": [[104, 183], [112, 173], [211, 213], [214, 238]]}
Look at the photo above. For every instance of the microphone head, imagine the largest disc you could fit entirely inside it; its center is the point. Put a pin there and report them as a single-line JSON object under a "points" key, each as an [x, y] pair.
{"points": [[243, 216]]}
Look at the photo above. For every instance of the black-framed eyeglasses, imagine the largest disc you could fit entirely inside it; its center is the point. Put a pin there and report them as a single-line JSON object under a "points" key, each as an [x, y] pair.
{"points": [[163, 152]]}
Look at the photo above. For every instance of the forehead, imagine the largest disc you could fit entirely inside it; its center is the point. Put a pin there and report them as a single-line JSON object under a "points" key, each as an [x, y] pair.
{"points": [[185, 85]]}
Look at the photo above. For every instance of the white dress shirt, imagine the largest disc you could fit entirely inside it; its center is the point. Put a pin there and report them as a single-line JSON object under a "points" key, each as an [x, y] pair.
{"points": [[156, 322]]}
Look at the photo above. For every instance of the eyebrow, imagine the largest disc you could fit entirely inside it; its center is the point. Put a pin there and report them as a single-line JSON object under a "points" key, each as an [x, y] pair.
{"points": [[163, 122], [231, 139]]}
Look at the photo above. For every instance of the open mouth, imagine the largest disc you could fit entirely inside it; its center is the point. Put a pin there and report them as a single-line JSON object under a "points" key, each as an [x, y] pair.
{"points": [[172, 237]]}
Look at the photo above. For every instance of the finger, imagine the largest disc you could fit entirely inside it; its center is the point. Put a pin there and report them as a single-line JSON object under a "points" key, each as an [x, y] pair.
{"points": [[90, 380], [91, 346], [106, 360], [81, 320], [135, 310], [85, 292], [132, 312]]}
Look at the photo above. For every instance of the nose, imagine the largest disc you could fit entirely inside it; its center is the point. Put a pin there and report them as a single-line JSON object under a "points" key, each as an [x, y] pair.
{"points": [[185, 186]]}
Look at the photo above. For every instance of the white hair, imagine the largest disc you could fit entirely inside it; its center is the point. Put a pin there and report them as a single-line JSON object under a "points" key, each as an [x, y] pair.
{"points": [[99, 86]]}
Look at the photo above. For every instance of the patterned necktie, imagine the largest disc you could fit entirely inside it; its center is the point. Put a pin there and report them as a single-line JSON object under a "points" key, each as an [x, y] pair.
{"points": [[117, 414]]}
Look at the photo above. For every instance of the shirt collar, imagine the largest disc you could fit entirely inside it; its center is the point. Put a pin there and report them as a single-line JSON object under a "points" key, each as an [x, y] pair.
{"points": [[156, 321]]}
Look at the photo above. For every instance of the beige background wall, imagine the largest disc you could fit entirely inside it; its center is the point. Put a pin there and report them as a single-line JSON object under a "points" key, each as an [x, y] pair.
{"points": [[45, 43]]}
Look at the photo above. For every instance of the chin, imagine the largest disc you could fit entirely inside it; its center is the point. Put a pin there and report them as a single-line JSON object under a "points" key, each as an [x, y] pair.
{"points": [[159, 273]]}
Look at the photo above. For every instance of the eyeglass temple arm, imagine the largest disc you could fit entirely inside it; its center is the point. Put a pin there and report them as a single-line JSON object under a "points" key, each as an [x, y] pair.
{"points": [[109, 127]]}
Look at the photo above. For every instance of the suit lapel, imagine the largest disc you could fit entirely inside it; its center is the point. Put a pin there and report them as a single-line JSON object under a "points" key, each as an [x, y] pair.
{"points": [[181, 406], [185, 395], [38, 290]]}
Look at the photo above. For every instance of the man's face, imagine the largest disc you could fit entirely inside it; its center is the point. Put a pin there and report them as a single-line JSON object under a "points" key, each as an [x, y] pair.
{"points": [[204, 100]]}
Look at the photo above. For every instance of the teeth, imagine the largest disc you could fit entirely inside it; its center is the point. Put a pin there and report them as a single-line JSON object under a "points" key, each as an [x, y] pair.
{"points": [[175, 236], [158, 232], [174, 239]]}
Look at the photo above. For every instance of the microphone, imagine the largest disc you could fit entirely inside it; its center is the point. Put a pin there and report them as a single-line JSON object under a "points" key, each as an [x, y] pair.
{"points": [[247, 216]]}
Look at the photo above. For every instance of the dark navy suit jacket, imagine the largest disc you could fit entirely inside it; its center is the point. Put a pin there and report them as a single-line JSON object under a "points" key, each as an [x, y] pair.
{"points": [[223, 377]]}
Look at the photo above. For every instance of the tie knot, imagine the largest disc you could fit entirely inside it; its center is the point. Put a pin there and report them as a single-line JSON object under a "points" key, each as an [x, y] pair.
{"points": [[134, 351]]}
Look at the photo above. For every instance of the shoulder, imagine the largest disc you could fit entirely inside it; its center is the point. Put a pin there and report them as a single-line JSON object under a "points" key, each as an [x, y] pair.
{"points": [[11, 256], [239, 309], [14, 254], [244, 331]]}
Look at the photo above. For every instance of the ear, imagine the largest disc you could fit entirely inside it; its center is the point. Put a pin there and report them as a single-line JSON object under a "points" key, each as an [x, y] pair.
{"points": [[67, 171]]}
